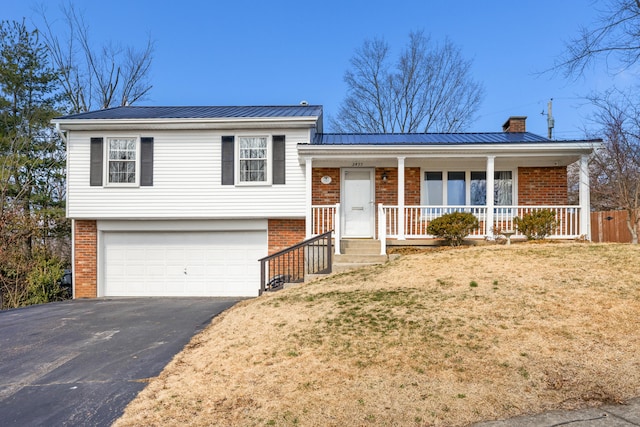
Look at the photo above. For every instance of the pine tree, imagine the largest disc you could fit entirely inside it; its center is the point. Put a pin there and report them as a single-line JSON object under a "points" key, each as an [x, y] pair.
{"points": [[31, 159]]}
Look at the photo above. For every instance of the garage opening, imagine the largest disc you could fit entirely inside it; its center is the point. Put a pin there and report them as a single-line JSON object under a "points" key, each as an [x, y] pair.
{"points": [[198, 263]]}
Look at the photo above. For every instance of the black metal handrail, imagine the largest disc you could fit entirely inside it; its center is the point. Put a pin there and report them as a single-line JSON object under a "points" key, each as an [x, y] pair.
{"points": [[312, 256]]}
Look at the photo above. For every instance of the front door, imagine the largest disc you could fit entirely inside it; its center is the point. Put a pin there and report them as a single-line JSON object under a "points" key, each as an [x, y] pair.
{"points": [[358, 203]]}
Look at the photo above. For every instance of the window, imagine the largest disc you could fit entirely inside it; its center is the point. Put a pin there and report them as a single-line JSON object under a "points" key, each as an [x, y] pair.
{"points": [[456, 188], [122, 156], [253, 160], [253, 154], [129, 161], [468, 188], [503, 190], [478, 188], [433, 188]]}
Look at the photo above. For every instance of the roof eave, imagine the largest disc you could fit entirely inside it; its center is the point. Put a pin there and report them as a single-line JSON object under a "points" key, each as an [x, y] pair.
{"points": [[555, 148], [191, 123]]}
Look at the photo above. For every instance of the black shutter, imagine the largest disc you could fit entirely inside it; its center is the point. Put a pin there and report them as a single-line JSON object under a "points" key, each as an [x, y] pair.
{"points": [[95, 163], [228, 151], [146, 162], [279, 165]]}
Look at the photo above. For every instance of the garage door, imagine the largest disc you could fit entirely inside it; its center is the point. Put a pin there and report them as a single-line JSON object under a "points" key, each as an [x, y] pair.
{"points": [[216, 263]]}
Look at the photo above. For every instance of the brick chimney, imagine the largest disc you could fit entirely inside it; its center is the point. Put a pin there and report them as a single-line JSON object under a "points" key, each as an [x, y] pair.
{"points": [[515, 124]]}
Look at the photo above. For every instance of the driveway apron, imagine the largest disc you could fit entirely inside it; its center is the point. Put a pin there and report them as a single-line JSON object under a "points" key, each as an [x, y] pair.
{"points": [[81, 362]]}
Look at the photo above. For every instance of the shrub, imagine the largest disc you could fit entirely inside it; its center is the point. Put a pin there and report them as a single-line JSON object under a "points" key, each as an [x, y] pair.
{"points": [[44, 279], [453, 227], [536, 225]]}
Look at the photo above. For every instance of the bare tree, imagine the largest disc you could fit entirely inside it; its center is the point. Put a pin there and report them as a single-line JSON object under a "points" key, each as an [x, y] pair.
{"points": [[615, 169], [95, 78], [614, 36], [428, 88]]}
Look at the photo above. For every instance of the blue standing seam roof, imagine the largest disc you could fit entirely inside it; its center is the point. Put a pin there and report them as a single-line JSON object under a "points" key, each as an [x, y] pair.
{"points": [[198, 112], [427, 138]]}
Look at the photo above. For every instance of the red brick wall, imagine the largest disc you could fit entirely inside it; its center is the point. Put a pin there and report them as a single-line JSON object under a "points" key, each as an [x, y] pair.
{"points": [[387, 191], [284, 233], [412, 186], [542, 186], [325, 194], [85, 272], [515, 124]]}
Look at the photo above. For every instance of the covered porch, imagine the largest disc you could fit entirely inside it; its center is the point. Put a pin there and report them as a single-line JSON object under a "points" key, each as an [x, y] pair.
{"points": [[371, 198]]}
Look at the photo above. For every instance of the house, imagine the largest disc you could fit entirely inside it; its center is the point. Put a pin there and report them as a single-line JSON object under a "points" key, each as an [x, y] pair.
{"points": [[183, 201]]}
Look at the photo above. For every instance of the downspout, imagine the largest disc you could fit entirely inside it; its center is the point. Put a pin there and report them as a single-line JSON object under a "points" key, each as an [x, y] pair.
{"points": [[73, 222]]}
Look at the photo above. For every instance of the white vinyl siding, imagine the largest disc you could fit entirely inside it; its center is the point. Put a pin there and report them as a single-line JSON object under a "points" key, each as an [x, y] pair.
{"points": [[186, 181]]}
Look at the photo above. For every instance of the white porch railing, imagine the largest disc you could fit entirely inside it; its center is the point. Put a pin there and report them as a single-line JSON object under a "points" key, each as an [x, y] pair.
{"points": [[325, 218], [322, 218], [417, 219]]}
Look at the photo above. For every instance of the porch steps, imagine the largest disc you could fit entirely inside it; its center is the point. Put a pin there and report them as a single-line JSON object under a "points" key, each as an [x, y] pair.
{"points": [[357, 253]]}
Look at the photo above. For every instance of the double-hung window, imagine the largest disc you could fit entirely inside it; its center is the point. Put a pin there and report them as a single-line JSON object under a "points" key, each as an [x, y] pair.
{"points": [[122, 160], [253, 159]]}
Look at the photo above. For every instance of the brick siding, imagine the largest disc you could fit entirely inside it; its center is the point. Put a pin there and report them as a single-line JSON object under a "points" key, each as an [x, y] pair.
{"points": [[325, 194], [412, 186], [542, 186], [284, 233], [86, 259]]}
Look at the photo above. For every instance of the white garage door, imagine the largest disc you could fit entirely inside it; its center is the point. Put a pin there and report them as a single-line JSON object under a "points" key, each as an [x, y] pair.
{"points": [[215, 263]]}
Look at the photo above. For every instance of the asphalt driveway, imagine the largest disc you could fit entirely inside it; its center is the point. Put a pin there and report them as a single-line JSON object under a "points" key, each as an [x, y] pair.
{"points": [[81, 362]]}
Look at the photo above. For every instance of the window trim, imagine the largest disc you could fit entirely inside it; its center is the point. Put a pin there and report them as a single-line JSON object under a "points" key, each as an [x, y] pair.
{"points": [[269, 161], [467, 171], [107, 182]]}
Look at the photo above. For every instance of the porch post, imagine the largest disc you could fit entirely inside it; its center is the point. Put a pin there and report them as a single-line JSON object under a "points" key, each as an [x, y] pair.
{"points": [[488, 222], [585, 198], [308, 196], [401, 198]]}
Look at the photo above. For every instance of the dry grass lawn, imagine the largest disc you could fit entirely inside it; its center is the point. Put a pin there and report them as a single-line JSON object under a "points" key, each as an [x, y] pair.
{"points": [[442, 338]]}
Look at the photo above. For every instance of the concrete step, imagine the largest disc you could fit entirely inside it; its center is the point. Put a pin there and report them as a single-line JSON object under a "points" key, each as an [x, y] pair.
{"points": [[360, 246], [359, 258]]}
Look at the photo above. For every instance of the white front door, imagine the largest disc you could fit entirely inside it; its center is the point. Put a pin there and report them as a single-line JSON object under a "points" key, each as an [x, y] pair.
{"points": [[358, 202]]}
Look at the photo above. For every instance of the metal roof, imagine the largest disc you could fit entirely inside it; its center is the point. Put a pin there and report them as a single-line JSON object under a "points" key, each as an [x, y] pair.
{"points": [[427, 138], [202, 112]]}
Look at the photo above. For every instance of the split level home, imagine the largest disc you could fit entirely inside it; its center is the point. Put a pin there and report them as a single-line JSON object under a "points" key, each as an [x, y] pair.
{"points": [[184, 201]]}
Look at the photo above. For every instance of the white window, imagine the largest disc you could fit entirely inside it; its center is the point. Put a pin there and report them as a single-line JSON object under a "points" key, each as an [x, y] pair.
{"points": [[253, 156], [122, 158], [503, 194], [478, 188], [433, 188], [466, 188], [456, 188]]}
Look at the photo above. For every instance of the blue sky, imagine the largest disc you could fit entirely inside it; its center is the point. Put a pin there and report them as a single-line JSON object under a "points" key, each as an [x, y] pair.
{"points": [[241, 52]]}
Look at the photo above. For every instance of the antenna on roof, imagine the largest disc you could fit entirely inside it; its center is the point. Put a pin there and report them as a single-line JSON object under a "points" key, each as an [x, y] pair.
{"points": [[304, 103]]}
